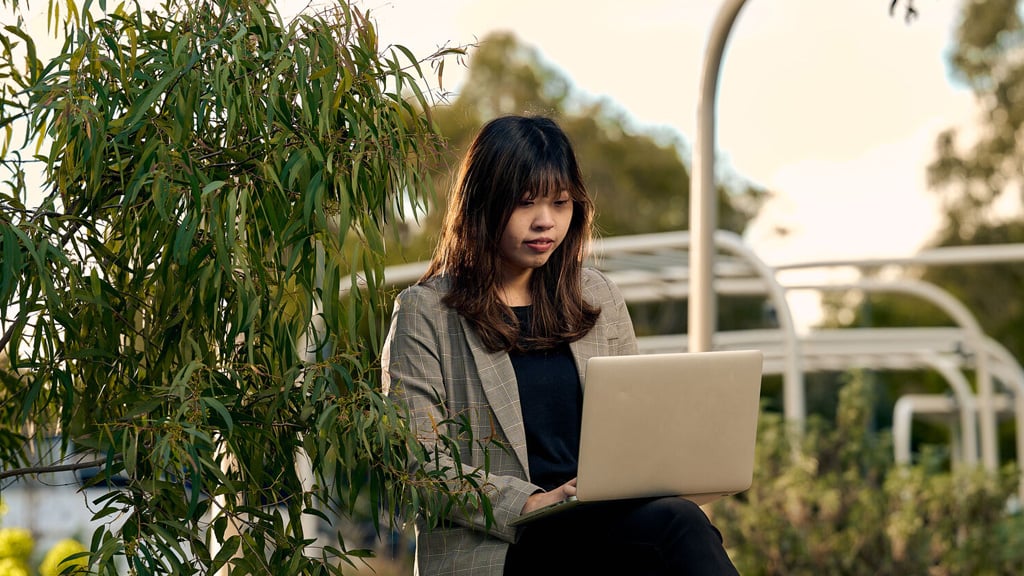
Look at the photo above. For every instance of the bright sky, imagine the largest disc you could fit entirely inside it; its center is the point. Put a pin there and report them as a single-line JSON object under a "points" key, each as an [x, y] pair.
{"points": [[832, 105]]}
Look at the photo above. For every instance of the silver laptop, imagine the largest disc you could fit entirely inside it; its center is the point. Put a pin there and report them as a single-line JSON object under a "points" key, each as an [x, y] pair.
{"points": [[675, 424]]}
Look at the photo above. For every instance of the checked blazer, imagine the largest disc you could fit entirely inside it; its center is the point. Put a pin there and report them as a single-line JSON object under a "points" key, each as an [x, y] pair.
{"points": [[436, 368]]}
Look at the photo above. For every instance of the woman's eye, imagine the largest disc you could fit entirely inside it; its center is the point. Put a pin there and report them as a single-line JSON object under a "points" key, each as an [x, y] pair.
{"points": [[562, 202]]}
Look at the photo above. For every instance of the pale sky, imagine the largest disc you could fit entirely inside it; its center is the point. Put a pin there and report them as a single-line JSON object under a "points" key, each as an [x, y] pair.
{"points": [[832, 105]]}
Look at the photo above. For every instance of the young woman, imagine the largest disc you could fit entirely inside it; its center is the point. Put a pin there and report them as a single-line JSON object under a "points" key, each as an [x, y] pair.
{"points": [[496, 336]]}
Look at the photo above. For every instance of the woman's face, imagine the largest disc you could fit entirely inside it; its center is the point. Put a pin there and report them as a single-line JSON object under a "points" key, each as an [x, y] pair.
{"points": [[534, 231]]}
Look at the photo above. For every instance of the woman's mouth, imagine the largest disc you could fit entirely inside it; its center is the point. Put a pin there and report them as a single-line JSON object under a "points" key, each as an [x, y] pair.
{"points": [[541, 244]]}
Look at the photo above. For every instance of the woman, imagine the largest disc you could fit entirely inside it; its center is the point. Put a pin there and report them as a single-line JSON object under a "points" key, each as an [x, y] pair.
{"points": [[495, 336]]}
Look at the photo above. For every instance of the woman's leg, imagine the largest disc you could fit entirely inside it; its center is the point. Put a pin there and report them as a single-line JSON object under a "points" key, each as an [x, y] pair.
{"points": [[676, 533], [656, 536]]}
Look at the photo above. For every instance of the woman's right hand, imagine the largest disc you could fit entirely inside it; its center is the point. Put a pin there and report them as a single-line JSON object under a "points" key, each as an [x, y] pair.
{"points": [[542, 499]]}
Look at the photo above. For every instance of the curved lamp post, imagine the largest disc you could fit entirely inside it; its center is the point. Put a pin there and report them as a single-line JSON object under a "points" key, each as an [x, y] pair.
{"points": [[703, 198]]}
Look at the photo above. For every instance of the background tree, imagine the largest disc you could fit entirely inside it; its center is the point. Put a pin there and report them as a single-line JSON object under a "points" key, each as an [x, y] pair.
{"points": [[195, 300], [639, 175], [973, 178], [976, 175]]}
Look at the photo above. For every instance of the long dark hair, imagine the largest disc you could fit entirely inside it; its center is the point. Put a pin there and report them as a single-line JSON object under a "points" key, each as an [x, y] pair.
{"points": [[512, 156]]}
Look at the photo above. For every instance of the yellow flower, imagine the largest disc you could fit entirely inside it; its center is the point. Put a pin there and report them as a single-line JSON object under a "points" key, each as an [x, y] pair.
{"points": [[16, 543], [54, 562], [12, 567]]}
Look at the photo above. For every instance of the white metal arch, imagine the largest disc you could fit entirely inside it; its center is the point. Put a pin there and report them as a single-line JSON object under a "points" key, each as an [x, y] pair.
{"points": [[976, 338]]}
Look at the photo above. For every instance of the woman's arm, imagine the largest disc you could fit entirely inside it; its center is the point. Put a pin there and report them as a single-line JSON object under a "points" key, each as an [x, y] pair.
{"points": [[414, 376]]}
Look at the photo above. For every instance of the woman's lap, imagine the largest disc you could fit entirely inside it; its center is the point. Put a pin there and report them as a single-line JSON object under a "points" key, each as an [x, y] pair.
{"points": [[651, 536]]}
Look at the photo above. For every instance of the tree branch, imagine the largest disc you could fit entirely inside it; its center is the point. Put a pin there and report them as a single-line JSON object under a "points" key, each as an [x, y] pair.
{"points": [[911, 11], [33, 470]]}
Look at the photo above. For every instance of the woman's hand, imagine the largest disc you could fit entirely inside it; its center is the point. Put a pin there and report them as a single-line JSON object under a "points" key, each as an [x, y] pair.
{"points": [[542, 499]]}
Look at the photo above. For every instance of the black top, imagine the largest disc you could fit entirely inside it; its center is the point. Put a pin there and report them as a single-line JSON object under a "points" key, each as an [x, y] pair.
{"points": [[552, 405]]}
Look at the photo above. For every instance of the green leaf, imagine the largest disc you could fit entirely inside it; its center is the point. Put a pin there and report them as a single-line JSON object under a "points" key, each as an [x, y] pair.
{"points": [[216, 406], [183, 239], [212, 186], [227, 550], [142, 104], [130, 450], [10, 268]]}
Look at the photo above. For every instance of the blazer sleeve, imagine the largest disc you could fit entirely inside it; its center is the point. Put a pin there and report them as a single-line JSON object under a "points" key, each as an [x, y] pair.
{"points": [[413, 365]]}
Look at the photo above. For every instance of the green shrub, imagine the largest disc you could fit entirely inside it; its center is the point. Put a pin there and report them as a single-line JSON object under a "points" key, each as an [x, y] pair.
{"points": [[831, 501]]}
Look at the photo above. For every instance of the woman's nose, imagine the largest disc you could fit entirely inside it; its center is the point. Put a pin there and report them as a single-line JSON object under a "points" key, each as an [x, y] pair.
{"points": [[544, 219]]}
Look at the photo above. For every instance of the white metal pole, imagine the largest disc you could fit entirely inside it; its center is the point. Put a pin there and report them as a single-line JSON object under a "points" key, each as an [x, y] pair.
{"points": [[311, 343], [703, 199]]}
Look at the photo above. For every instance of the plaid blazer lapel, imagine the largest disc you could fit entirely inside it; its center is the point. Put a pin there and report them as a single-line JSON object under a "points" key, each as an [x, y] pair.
{"points": [[582, 350], [590, 344], [498, 382]]}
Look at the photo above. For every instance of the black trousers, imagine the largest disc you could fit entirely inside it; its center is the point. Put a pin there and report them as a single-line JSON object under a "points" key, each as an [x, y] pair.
{"points": [[661, 536]]}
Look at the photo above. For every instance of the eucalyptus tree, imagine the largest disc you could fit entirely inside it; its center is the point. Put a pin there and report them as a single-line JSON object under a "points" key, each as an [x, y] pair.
{"points": [[195, 297]]}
